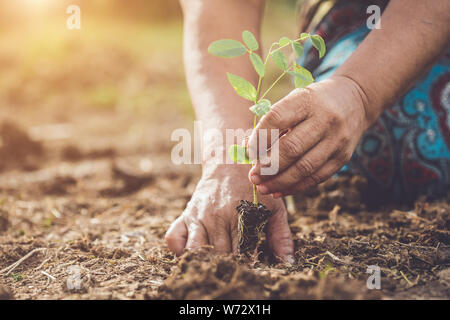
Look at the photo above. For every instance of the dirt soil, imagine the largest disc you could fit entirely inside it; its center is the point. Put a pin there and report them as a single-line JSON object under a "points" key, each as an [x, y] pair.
{"points": [[252, 219], [87, 214]]}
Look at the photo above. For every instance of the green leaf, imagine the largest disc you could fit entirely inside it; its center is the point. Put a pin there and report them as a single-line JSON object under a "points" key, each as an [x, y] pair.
{"points": [[227, 48], [250, 40], [298, 49], [243, 88], [238, 154], [304, 36], [261, 108], [302, 77], [284, 41], [319, 44], [258, 64], [280, 60]]}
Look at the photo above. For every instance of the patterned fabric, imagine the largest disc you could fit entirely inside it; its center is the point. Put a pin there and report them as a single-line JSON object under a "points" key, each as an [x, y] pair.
{"points": [[406, 153]]}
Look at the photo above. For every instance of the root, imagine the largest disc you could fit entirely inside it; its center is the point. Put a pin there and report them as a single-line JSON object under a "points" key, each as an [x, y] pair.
{"points": [[252, 220]]}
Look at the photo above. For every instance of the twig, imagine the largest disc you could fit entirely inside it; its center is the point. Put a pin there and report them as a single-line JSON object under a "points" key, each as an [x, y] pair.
{"points": [[48, 275], [97, 272], [312, 258], [417, 256], [334, 257], [407, 280], [17, 263], [360, 242], [413, 245], [412, 215], [65, 264], [42, 264]]}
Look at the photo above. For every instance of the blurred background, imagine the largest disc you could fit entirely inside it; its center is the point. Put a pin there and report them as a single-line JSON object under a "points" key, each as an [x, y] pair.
{"points": [[114, 86]]}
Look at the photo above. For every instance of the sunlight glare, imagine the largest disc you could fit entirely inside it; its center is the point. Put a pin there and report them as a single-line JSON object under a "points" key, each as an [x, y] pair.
{"points": [[35, 6]]}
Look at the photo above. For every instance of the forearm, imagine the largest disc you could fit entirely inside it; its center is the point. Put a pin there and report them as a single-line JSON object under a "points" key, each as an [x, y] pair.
{"points": [[414, 34], [214, 100]]}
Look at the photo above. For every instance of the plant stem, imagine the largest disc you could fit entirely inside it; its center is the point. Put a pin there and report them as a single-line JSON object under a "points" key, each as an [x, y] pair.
{"points": [[284, 72], [255, 194], [281, 47], [255, 191], [273, 84], [255, 119]]}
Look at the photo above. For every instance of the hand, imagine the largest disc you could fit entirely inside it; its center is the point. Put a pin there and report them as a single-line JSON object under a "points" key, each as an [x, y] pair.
{"points": [[210, 217], [325, 122]]}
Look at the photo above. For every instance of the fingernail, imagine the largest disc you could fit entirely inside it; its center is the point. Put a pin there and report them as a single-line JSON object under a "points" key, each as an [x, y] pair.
{"points": [[255, 179], [263, 189], [277, 195]]}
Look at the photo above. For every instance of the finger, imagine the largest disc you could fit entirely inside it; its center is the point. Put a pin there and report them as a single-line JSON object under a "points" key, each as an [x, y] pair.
{"points": [[176, 236], [285, 114], [312, 161], [197, 235], [292, 146], [324, 173], [279, 236]]}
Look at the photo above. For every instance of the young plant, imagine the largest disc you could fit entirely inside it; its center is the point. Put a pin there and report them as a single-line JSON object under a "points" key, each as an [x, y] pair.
{"points": [[253, 216]]}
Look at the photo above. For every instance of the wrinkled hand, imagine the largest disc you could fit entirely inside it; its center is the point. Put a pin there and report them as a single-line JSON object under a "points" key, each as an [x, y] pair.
{"points": [[325, 122], [210, 216]]}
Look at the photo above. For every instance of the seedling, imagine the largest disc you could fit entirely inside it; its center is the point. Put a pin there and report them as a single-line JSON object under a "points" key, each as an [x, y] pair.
{"points": [[254, 216]]}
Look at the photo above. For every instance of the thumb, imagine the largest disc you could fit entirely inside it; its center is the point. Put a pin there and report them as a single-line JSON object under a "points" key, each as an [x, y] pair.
{"points": [[279, 236], [176, 236]]}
